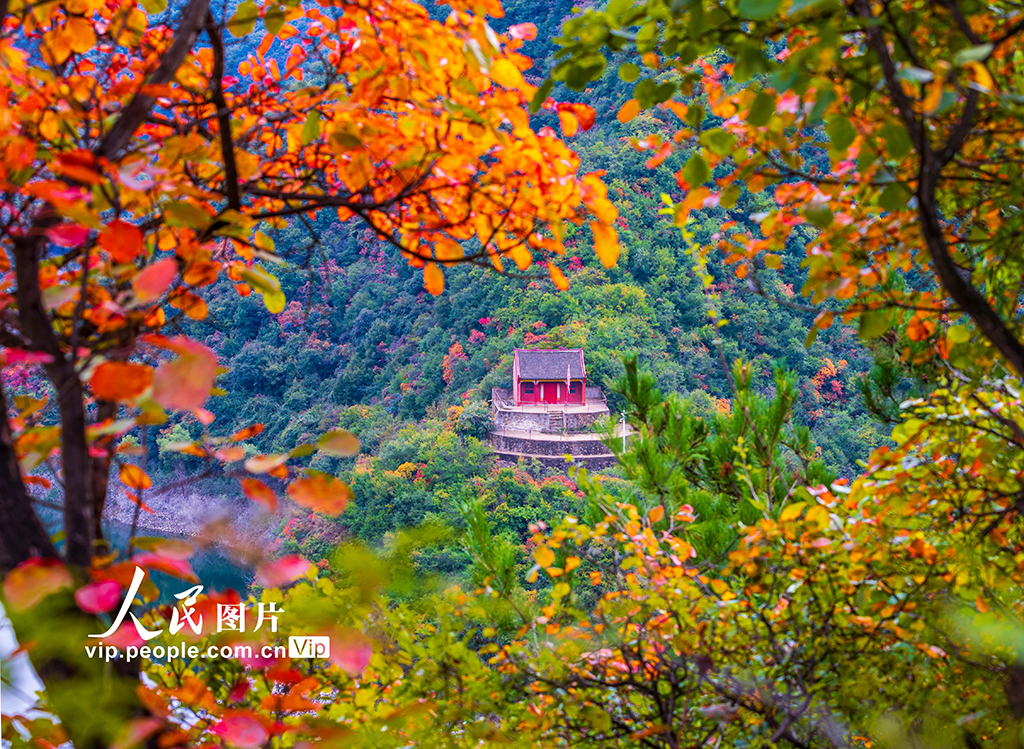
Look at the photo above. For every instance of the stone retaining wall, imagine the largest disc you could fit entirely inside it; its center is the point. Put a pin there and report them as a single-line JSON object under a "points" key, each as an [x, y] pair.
{"points": [[526, 446], [541, 422]]}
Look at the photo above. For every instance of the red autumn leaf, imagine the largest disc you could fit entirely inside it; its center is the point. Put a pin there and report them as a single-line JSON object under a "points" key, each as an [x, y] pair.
{"points": [[68, 235], [123, 241], [119, 381], [279, 572], [168, 565], [351, 653], [153, 280], [98, 598], [321, 492], [185, 382], [241, 729]]}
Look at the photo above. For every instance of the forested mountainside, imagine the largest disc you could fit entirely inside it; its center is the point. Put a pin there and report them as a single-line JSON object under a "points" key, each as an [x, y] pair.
{"points": [[360, 329]]}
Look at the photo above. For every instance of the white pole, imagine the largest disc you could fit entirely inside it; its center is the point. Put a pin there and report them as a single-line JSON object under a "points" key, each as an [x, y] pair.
{"points": [[623, 431]]}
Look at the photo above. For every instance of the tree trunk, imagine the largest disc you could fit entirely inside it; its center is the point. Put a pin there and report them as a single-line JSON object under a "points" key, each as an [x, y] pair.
{"points": [[22, 535]]}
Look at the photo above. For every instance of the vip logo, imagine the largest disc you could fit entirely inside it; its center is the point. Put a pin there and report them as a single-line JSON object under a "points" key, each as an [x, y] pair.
{"points": [[309, 647]]}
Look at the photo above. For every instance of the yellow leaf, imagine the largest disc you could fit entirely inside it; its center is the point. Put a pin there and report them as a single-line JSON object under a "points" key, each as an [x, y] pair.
{"points": [[606, 243], [447, 251], [544, 556], [80, 33], [49, 126], [819, 516], [792, 512], [433, 278], [569, 123], [719, 586], [656, 514], [572, 563], [507, 75], [521, 257], [982, 78], [339, 442], [934, 96], [629, 110]]}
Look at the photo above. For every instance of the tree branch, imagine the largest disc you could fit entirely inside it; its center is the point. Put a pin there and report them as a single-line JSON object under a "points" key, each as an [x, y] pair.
{"points": [[138, 109]]}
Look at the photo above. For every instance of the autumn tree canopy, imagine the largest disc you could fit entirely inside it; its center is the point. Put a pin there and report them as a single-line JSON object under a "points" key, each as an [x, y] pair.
{"points": [[142, 161]]}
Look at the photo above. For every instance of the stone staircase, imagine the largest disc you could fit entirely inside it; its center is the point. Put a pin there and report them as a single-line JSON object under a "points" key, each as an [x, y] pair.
{"points": [[556, 421]]}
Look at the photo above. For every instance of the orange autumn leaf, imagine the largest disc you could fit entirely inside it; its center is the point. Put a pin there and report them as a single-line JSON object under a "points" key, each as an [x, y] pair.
{"points": [[606, 243], [260, 493], [557, 277], [134, 477], [184, 383], [433, 278], [33, 580], [628, 111], [119, 381], [247, 433], [321, 492], [123, 241]]}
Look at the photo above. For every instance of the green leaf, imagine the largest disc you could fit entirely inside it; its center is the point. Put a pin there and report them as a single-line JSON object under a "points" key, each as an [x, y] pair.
{"points": [[301, 451], [629, 72], [273, 19], [894, 196], [267, 285], [311, 130], [873, 323], [696, 171], [244, 18], [819, 214], [695, 116], [180, 213], [841, 133], [758, 9], [973, 54], [729, 196], [649, 92], [761, 110], [542, 95], [959, 334], [812, 335], [718, 141], [897, 141]]}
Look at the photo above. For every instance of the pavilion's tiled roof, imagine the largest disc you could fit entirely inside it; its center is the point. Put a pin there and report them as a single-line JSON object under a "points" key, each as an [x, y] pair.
{"points": [[550, 364]]}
